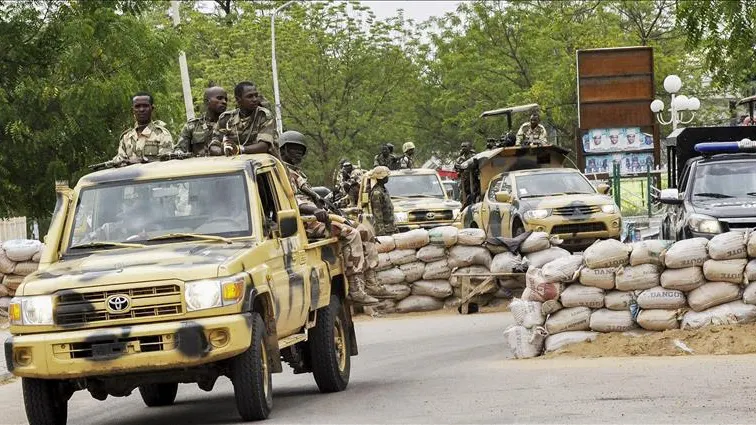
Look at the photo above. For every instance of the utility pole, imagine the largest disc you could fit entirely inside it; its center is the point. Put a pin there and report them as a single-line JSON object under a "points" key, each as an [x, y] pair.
{"points": [[185, 84], [276, 95]]}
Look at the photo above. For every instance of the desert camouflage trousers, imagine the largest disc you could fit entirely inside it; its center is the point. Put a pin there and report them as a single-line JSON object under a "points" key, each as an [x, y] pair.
{"points": [[351, 244]]}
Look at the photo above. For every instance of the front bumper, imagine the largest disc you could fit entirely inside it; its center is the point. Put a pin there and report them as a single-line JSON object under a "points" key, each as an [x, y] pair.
{"points": [[590, 227], [403, 227], [126, 349]]}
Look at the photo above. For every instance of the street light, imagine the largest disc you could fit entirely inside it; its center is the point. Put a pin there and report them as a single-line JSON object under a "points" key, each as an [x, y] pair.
{"points": [[677, 105], [276, 96]]}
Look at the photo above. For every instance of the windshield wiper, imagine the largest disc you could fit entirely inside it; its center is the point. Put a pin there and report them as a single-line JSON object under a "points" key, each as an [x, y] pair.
{"points": [[109, 244], [191, 235], [713, 195]]}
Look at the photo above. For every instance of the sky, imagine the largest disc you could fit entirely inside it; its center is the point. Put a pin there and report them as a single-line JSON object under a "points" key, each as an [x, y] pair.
{"points": [[416, 10]]}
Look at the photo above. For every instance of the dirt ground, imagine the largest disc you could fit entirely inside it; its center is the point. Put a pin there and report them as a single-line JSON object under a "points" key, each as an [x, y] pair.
{"points": [[496, 306], [716, 340]]}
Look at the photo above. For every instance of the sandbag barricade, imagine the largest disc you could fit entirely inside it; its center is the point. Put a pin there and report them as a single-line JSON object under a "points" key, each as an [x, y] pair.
{"points": [[18, 259]]}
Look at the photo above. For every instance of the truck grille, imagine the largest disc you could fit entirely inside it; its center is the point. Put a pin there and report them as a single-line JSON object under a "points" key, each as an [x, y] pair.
{"points": [[429, 215], [78, 308], [737, 225], [577, 210], [578, 228], [106, 349]]}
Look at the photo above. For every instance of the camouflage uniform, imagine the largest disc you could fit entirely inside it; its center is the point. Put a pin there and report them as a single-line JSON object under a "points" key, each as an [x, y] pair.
{"points": [[405, 162], [258, 127], [196, 135], [153, 141], [383, 211], [386, 161], [533, 135]]}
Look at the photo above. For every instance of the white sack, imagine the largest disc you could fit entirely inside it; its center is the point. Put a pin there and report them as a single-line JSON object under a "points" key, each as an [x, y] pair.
{"points": [[413, 271], [415, 303], [537, 241], [605, 320], [541, 258], [685, 280], [6, 264], [725, 270], [26, 268], [437, 270], [38, 256], [561, 340], [606, 253], [658, 320], [390, 276], [385, 244], [648, 252], [633, 278], [582, 296], [443, 235], [750, 270], [600, 278], [728, 246], [412, 239], [471, 237], [686, 253], [398, 291], [563, 269], [21, 249], [402, 256], [735, 312], [752, 245], [618, 300], [524, 343], [463, 256], [431, 253], [551, 306], [712, 294], [527, 313], [432, 288], [569, 319], [749, 294], [505, 262], [659, 298]]}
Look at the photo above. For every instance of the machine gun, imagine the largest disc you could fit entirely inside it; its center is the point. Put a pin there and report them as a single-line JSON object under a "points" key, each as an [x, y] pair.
{"points": [[116, 163], [175, 155]]}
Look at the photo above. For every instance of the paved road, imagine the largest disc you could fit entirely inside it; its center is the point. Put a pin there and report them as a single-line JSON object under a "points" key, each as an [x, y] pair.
{"points": [[452, 369]]}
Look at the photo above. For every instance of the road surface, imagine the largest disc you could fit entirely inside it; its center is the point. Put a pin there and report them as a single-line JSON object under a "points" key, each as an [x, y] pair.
{"points": [[452, 369]]}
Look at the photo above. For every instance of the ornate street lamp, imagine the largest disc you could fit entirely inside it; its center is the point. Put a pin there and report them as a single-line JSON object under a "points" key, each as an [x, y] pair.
{"points": [[679, 104]]}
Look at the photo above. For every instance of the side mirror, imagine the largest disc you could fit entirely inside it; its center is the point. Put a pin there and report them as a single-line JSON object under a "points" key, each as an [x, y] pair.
{"points": [[503, 197], [670, 197], [603, 188], [288, 222]]}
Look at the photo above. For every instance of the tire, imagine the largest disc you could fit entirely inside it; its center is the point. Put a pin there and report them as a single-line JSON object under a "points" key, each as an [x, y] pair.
{"points": [[156, 395], [330, 348], [251, 376], [44, 402], [517, 229]]}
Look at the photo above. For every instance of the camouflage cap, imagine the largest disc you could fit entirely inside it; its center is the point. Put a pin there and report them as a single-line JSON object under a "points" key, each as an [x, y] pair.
{"points": [[407, 146], [379, 172]]}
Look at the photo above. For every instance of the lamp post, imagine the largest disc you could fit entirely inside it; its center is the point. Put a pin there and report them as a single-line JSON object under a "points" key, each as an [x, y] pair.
{"points": [[186, 87], [276, 96], [678, 104]]}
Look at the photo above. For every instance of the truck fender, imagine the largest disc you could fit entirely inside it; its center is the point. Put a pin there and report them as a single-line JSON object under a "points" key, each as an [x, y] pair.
{"points": [[259, 299]]}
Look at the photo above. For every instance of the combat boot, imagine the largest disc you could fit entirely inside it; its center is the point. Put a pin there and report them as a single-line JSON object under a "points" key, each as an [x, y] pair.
{"points": [[375, 289], [357, 292]]}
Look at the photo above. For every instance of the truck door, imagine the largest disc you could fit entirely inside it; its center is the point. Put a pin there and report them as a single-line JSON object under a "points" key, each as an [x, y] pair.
{"points": [[286, 256]]}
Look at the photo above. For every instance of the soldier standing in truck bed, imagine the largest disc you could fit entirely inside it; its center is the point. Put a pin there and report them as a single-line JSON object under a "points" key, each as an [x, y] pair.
{"points": [[148, 139], [196, 135], [380, 203]]}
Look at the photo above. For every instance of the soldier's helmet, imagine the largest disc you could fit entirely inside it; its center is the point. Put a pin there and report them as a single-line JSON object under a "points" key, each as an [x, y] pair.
{"points": [[347, 164], [407, 146], [380, 172], [292, 136], [467, 145], [390, 147]]}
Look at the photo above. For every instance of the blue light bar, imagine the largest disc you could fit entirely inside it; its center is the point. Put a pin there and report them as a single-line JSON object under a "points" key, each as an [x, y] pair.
{"points": [[725, 147]]}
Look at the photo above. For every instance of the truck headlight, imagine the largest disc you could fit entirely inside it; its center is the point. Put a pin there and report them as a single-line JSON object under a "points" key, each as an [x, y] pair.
{"points": [[537, 214], [609, 209], [704, 224], [401, 217], [211, 293], [36, 310]]}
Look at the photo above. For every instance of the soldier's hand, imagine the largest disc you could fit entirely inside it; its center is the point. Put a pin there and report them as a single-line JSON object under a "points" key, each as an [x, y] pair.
{"points": [[321, 215], [230, 149]]}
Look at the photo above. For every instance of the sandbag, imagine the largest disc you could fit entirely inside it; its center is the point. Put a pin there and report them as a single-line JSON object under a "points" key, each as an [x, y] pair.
{"points": [[384, 262], [600, 278], [5, 303], [735, 312], [26, 268], [4, 291], [524, 343], [527, 313], [749, 294], [511, 283], [658, 320], [6, 264], [452, 302], [505, 263], [752, 245], [463, 256], [19, 250], [12, 281], [541, 258], [577, 295], [561, 340], [386, 306], [606, 320], [648, 252], [618, 300], [38, 256], [659, 298], [728, 246], [633, 278], [722, 270], [437, 270], [415, 303], [413, 271], [385, 244], [550, 307], [606, 253], [471, 270], [443, 235], [390, 276], [412, 239], [537, 241], [542, 292], [472, 237], [569, 319], [402, 256], [686, 253], [563, 269], [712, 294], [685, 280], [432, 288], [431, 253], [750, 271]]}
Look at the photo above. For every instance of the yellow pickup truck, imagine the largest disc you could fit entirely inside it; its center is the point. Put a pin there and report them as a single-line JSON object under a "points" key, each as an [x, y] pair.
{"points": [[179, 271]]}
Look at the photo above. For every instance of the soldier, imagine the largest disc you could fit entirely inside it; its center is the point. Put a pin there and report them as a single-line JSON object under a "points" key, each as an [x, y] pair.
{"points": [[384, 158], [248, 129], [532, 132], [394, 159], [197, 133], [148, 139], [380, 203], [343, 178], [465, 153], [293, 149], [405, 162]]}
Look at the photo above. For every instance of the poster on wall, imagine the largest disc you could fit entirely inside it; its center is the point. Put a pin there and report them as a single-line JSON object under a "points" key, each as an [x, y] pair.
{"points": [[630, 163], [616, 140]]}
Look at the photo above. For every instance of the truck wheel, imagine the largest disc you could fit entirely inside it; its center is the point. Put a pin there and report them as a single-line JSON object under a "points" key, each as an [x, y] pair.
{"points": [[251, 376], [156, 395], [517, 229], [330, 348], [45, 405]]}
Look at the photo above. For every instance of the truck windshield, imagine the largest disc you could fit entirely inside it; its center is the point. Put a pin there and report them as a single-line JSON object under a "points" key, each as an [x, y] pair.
{"points": [[548, 184], [157, 211], [719, 180], [417, 185]]}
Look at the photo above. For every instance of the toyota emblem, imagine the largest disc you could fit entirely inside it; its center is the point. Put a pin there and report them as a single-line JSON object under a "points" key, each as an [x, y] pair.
{"points": [[118, 304], [430, 216]]}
